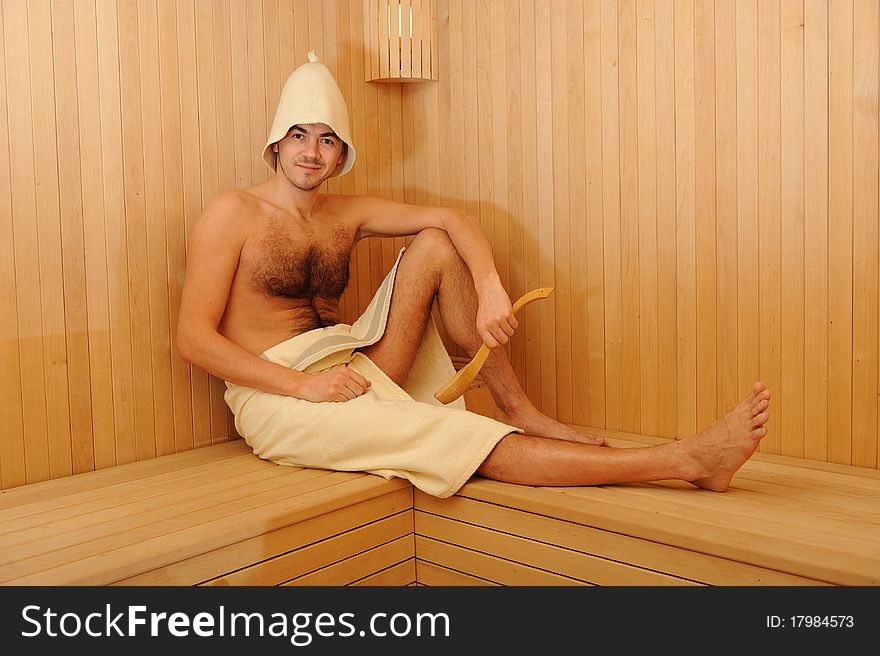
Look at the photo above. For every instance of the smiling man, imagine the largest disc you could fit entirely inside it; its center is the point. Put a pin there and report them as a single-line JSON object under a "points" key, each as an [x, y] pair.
{"points": [[266, 266]]}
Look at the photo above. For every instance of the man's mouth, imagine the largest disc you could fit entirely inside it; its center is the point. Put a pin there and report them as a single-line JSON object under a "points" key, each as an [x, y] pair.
{"points": [[312, 168]]}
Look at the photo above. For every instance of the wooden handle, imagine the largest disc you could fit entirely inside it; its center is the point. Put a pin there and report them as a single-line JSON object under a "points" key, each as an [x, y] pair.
{"points": [[458, 384]]}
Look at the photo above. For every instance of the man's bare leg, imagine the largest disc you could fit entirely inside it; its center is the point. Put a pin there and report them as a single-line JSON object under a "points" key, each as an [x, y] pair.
{"points": [[708, 459], [431, 267]]}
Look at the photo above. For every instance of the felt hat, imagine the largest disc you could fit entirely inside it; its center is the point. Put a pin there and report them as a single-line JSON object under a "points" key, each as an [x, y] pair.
{"points": [[310, 95]]}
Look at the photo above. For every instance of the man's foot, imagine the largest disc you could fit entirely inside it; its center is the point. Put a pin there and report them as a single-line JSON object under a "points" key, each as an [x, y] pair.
{"points": [[719, 451], [529, 419]]}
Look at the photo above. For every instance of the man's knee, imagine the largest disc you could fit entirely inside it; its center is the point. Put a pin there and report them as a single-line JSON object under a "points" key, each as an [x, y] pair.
{"points": [[434, 249], [433, 244]]}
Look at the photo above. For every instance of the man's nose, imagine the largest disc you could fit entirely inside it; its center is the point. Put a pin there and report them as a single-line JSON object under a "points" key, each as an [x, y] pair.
{"points": [[312, 148]]}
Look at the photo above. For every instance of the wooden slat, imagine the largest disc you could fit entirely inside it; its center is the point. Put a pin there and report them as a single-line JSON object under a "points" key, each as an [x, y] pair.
{"points": [[685, 145], [156, 240], [225, 559], [866, 216], [791, 417], [94, 237], [705, 238], [727, 392], [603, 507], [360, 565], [432, 574], [628, 101], [12, 446], [816, 229], [648, 299], [646, 554], [613, 279], [486, 566], [667, 361], [594, 224], [400, 574], [81, 449], [76, 512], [770, 211], [135, 221], [26, 243], [840, 238], [748, 233], [51, 282], [530, 325], [294, 564], [49, 490], [152, 546], [561, 220], [140, 514], [516, 549]]}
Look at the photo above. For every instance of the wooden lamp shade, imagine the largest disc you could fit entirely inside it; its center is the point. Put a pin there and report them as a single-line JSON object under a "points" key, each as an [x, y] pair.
{"points": [[400, 40]]}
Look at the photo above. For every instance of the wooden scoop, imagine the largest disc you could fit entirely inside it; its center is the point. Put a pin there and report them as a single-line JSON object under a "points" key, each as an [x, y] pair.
{"points": [[458, 384]]}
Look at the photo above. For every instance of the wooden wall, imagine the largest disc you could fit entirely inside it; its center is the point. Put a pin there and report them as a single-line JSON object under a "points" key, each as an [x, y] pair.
{"points": [[697, 179]]}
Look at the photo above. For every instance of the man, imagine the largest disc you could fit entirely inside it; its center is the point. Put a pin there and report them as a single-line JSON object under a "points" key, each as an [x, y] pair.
{"points": [[260, 309]]}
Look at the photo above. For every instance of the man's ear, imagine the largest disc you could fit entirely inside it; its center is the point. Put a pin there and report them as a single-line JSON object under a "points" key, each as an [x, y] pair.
{"points": [[275, 147], [343, 156]]}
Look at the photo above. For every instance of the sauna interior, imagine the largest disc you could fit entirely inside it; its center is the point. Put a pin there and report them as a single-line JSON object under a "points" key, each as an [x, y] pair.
{"points": [[696, 180]]}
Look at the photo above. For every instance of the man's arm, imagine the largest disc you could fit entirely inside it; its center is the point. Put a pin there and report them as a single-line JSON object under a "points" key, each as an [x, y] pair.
{"points": [[495, 320], [213, 251]]}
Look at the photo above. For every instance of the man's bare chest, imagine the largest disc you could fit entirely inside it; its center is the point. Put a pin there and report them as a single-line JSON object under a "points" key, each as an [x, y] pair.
{"points": [[299, 263]]}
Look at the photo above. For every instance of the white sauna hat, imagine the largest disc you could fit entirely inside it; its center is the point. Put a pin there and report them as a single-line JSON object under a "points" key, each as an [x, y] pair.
{"points": [[310, 95]]}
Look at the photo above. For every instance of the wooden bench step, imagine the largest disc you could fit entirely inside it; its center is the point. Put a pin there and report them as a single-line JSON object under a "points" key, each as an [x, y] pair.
{"points": [[783, 522], [126, 522]]}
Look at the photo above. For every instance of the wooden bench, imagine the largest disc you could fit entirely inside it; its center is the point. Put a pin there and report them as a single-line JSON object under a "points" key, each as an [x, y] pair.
{"points": [[221, 516], [217, 515], [785, 521]]}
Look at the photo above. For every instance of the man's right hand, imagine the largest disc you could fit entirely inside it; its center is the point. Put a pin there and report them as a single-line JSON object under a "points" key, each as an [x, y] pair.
{"points": [[337, 384]]}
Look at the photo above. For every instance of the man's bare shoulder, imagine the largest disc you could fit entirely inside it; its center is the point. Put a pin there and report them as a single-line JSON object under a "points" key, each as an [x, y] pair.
{"points": [[234, 203], [232, 211]]}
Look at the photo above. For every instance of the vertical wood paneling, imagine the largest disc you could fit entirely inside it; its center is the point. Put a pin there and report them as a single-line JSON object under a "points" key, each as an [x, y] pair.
{"points": [[647, 320], [95, 240], [664, 49], [136, 227], [157, 246], [72, 236], [685, 245], [748, 233], [575, 242], [26, 243], [629, 212], [561, 231], [529, 145], [594, 220], [792, 209], [12, 446], [192, 183], [704, 207], [865, 233], [727, 311], [840, 239], [816, 229], [613, 279], [769, 212], [117, 253], [697, 179], [544, 130], [175, 225], [48, 208]]}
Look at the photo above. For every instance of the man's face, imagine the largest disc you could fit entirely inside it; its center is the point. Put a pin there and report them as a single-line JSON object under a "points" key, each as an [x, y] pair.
{"points": [[309, 154]]}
